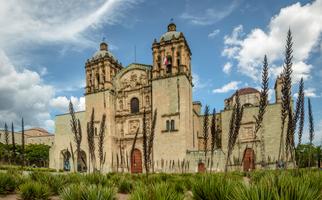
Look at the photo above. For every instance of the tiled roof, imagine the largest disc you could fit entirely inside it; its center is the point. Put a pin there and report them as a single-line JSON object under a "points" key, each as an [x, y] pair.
{"points": [[168, 35], [247, 90], [244, 91]]}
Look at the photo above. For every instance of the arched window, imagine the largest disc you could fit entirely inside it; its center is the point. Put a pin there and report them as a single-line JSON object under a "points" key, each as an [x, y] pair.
{"points": [[172, 128], [168, 63], [135, 108], [178, 59], [168, 125], [159, 62], [97, 78]]}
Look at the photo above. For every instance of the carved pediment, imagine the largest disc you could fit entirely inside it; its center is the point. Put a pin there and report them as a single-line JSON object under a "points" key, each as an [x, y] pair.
{"points": [[133, 79]]}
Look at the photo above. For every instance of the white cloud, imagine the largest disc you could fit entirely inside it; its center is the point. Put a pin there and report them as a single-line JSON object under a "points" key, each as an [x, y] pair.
{"points": [[61, 103], [227, 68], [23, 94], [214, 33], [55, 21], [228, 87], [235, 37], [198, 14], [306, 25], [35, 23], [310, 92]]}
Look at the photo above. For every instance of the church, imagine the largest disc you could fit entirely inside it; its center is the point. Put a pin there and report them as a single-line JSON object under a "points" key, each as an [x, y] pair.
{"points": [[123, 93]]}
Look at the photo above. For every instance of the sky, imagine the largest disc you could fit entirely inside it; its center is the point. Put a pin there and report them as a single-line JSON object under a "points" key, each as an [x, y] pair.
{"points": [[45, 44]]}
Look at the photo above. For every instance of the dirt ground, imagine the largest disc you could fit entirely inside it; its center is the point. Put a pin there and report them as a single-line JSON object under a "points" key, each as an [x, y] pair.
{"points": [[15, 196]]}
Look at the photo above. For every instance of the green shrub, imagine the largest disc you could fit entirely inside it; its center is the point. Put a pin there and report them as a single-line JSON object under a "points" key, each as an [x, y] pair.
{"points": [[26, 168], [97, 179], [34, 191], [158, 191], [74, 178], [164, 191], [99, 193], [280, 185], [73, 192], [213, 187], [83, 192], [125, 186], [56, 183], [8, 183], [141, 192]]}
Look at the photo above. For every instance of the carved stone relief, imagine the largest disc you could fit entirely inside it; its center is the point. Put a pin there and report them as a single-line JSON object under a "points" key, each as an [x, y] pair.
{"points": [[133, 80], [247, 132], [133, 126]]}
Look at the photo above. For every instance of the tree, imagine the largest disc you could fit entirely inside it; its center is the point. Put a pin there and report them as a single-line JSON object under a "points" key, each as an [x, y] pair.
{"points": [[76, 129], [90, 140], [13, 143], [214, 133], [37, 154], [6, 134], [262, 107], [206, 130], [307, 155], [299, 111], [286, 94], [101, 138], [23, 142], [145, 144], [151, 137], [148, 140], [311, 127], [234, 126], [134, 143]]}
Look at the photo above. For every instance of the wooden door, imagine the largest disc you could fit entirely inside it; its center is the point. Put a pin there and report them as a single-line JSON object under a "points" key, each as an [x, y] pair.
{"points": [[249, 160], [136, 161]]}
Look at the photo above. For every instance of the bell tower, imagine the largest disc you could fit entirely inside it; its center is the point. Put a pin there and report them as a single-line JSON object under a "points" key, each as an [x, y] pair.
{"points": [[100, 70], [172, 95], [171, 55]]}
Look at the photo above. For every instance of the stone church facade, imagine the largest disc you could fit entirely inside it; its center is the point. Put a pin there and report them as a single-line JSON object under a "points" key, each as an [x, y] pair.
{"points": [[124, 93]]}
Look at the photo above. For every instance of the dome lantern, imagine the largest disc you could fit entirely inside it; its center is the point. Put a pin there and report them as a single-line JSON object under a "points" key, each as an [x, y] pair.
{"points": [[172, 27], [103, 46]]}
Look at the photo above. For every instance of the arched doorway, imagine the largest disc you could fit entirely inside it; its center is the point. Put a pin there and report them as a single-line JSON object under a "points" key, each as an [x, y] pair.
{"points": [[201, 167], [66, 155], [249, 159], [136, 161], [81, 162]]}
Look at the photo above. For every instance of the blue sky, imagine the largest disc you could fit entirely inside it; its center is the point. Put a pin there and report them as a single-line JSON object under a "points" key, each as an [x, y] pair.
{"points": [[43, 48]]}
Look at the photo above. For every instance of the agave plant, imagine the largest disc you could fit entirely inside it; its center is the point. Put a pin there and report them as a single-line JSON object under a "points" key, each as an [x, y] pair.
{"points": [[34, 190], [8, 183], [213, 188]]}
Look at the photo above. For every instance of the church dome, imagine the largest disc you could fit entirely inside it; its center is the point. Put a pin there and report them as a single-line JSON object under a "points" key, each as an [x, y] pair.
{"points": [[102, 52], [171, 33]]}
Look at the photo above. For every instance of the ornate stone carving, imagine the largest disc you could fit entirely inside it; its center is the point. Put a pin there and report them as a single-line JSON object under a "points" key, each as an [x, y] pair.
{"points": [[133, 126], [125, 83], [134, 80], [247, 132], [121, 104], [143, 79], [147, 100]]}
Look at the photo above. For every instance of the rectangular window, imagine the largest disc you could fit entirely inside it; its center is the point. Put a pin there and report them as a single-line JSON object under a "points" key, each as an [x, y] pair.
{"points": [[172, 125], [168, 125]]}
